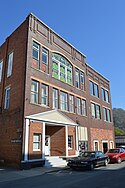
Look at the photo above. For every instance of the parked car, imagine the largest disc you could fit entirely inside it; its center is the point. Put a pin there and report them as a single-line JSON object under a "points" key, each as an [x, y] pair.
{"points": [[122, 146], [116, 155], [88, 159]]}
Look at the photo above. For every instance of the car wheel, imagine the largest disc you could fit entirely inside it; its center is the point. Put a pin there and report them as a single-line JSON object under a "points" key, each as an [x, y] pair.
{"points": [[119, 160], [91, 166], [105, 162]]}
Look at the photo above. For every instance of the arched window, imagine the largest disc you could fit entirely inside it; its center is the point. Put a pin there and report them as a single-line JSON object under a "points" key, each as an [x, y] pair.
{"points": [[61, 68]]}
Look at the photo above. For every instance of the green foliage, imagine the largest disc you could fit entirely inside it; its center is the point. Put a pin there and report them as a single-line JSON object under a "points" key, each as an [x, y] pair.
{"points": [[119, 121], [119, 132]]}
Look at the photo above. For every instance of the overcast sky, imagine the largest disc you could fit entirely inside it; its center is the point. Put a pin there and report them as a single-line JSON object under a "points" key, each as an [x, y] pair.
{"points": [[94, 27]]}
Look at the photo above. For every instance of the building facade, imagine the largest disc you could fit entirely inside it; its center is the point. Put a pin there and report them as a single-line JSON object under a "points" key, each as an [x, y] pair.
{"points": [[52, 103]]}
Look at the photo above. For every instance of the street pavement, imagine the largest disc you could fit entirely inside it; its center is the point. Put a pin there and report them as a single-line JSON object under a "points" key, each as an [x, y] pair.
{"points": [[7, 174]]}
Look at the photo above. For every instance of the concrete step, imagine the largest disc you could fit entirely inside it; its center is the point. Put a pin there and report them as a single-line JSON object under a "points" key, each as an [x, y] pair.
{"points": [[55, 161]]}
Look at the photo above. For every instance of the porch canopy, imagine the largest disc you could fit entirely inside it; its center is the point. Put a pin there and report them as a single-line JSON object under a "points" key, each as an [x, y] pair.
{"points": [[52, 117]]}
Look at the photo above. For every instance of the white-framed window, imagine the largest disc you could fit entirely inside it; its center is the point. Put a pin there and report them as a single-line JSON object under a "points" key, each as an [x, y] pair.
{"points": [[96, 145], [77, 78], [111, 144], [106, 114], [34, 91], [82, 80], [78, 105], [45, 60], [95, 111], [105, 95], [45, 95], [55, 98], [61, 68], [83, 107], [94, 90], [63, 101], [10, 64], [70, 142], [35, 51], [71, 103], [7, 98], [36, 142], [1, 68]]}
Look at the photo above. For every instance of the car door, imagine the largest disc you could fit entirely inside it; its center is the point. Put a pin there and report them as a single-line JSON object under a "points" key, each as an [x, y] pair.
{"points": [[98, 158], [101, 158], [122, 153]]}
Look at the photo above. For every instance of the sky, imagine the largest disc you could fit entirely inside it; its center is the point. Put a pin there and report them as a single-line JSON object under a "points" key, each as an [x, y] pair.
{"points": [[94, 27]]}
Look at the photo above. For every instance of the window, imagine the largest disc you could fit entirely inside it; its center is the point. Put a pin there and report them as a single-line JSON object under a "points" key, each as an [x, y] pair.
{"points": [[45, 60], [10, 63], [44, 95], [96, 145], [94, 89], [7, 98], [36, 142], [55, 98], [107, 114], [105, 95], [70, 142], [83, 107], [95, 110], [78, 105], [77, 78], [1, 67], [34, 92], [61, 69], [63, 101], [82, 80], [71, 103], [35, 52]]}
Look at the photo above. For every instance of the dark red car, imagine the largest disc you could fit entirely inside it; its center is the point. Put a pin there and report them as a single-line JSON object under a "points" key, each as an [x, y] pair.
{"points": [[116, 155]]}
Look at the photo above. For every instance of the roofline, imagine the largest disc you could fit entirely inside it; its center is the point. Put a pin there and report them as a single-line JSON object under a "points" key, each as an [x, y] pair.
{"points": [[68, 43], [51, 122], [97, 72], [56, 33]]}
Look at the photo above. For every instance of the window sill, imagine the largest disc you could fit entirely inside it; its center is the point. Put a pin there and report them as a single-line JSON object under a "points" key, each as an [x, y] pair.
{"points": [[40, 70]]}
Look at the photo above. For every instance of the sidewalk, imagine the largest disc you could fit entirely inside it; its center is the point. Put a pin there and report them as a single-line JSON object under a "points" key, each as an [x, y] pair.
{"points": [[7, 174]]}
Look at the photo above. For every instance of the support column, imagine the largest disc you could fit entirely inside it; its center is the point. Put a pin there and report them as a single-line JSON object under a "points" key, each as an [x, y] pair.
{"points": [[43, 141], [77, 140], [26, 146], [66, 128]]}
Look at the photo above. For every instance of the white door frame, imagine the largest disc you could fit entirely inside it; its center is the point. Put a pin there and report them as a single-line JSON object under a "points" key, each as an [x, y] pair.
{"points": [[47, 148]]}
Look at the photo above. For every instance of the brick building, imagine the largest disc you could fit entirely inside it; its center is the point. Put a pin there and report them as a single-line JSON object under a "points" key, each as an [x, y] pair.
{"points": [[52, 103]]}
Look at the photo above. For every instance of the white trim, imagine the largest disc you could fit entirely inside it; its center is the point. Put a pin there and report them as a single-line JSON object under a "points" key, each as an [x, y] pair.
{"points": [[33, 117], [111, 143], [66, 131], [43, 141], [51, 121], [94, 141], [26, 140], [77, 145]]}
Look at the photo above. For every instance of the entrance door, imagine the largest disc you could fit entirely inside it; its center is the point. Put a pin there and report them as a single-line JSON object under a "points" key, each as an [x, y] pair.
{"points": [[105, 147], [47, 145]]}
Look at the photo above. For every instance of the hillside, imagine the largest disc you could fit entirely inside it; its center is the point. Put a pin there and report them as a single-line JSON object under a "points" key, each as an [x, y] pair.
{"points": [[119, 121]]}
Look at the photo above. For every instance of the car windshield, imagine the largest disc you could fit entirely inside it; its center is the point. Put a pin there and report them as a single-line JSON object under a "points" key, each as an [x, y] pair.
{"points": [[87, 154], [113, 151]]}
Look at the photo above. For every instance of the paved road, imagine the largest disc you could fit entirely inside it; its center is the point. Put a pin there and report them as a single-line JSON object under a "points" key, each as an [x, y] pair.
{"points": [[112, 176]]}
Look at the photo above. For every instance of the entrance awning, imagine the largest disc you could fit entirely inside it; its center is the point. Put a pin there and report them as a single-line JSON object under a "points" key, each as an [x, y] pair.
{"points": [[53, 116]]}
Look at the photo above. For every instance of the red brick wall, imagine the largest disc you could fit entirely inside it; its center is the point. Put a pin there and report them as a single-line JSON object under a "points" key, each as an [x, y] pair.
{"points": [[11, 120], [57, 140], [101, 135], [72, 132], [35, 127]]}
